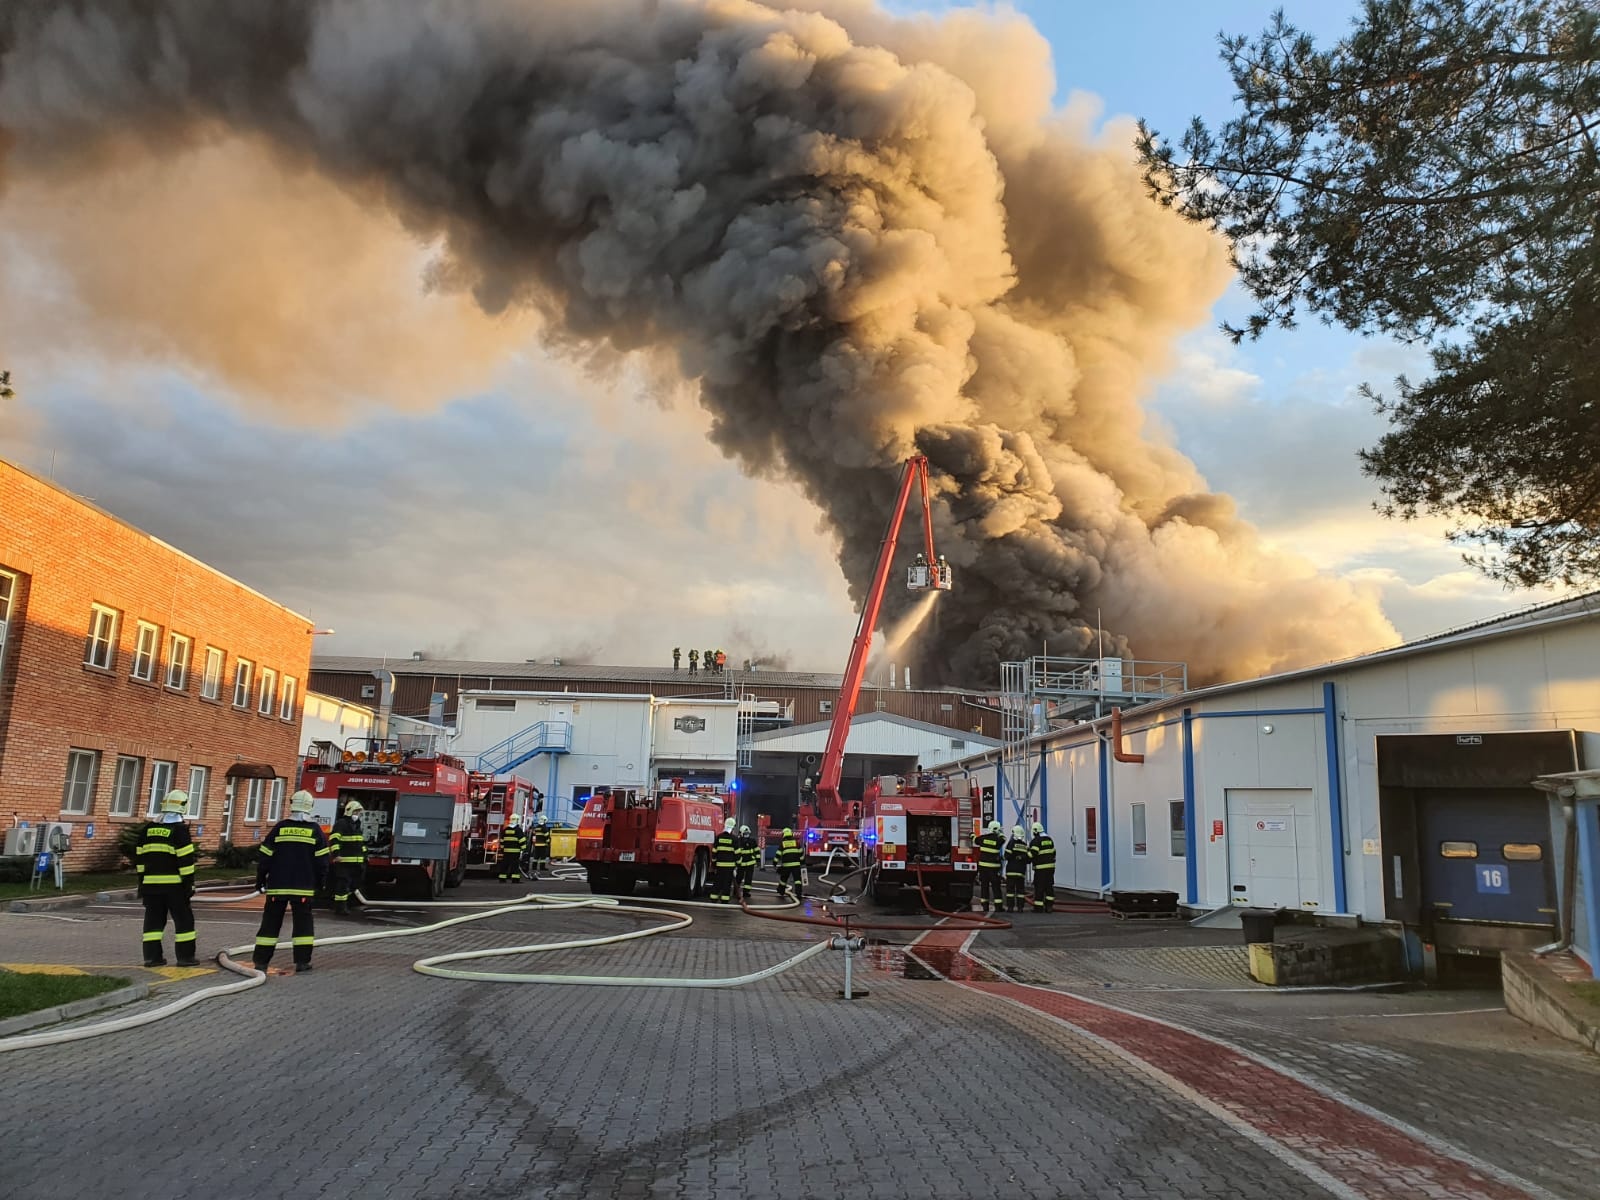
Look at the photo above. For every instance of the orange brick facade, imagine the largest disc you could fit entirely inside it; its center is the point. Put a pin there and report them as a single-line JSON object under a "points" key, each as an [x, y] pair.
{"points": [[60, 558]]}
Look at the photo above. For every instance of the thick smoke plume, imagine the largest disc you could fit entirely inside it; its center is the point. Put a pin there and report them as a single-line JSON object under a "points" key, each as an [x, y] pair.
{"points": [[864, 236]]}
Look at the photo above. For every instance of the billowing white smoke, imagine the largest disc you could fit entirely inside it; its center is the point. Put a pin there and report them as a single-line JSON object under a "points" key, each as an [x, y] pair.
{"points": [[863, 236]]}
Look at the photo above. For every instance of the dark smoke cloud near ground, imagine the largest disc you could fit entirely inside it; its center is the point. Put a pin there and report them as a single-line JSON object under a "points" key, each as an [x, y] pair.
{"points": [[863, 236]]}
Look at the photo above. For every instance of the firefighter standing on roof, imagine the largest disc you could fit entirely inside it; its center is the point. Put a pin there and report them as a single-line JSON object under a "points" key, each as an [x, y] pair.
{"points": [[1042, 852], [749, 856], [724, 862], [989, 845], [291, 867], [349, 854], [511, 848], [791, 857], [1016, 869], [165, 862]]}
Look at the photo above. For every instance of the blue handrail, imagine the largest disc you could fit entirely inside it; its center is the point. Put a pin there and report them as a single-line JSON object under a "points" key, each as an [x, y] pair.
{"points": [[542, 737]]}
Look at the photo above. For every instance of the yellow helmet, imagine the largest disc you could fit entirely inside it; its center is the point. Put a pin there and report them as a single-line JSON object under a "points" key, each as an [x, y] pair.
{"points": [[301, 804], [175, 801], [354, 807], [788, 833]]}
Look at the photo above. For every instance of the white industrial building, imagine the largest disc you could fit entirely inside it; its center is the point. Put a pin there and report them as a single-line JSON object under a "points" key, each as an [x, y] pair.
{"points": [[570, 743], [1397, 786], [330, 719]]}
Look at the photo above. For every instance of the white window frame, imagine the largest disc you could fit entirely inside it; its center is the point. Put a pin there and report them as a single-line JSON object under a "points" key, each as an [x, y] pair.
{"points": [[125, 793], [269, 691], [230, 792], [77, 794], [179, 650], [286, 707], [146, 651], [160, 769], [199, 780], [275, 802], [211, 681], [252, 803], [105, 623], [244, 672], [8, 600], [1138, 830]]}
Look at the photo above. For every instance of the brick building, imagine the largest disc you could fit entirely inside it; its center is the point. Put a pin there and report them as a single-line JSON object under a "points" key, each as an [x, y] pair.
{"points": [[128, 668]]}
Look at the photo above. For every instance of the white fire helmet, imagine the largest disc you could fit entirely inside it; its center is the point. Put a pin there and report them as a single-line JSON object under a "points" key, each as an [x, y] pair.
{"points": [[994, 826], [1016, 832], [301, 804], [175, 801], [354, 807], [727, 826], [1038, 828]]}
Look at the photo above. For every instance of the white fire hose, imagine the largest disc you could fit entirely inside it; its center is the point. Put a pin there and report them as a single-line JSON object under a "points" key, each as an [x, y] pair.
{"points": [[253, 978]]}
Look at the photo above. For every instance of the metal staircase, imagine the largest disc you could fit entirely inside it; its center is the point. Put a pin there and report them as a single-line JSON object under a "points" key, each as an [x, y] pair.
{"points": [[542, 737]]}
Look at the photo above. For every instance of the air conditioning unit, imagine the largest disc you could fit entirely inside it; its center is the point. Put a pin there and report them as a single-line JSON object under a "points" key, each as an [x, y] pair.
{"points": [[58, 837], [22, 840]]}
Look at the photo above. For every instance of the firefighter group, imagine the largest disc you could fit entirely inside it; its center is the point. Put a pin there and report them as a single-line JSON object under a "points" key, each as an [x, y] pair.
{"points": [[712, 662], [517, 844], [1003, 868]]}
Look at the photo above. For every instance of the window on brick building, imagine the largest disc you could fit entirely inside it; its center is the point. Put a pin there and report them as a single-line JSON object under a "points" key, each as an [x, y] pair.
{"points": [[83, 768], [269, 691], [252, 802], [211, 681], [275, 804], [125, 785], [8, 599], [199, 777], [101, 648], [144, 651], [242, 670], [178, 648], [161, 776], [230, 792], [286, 710]]}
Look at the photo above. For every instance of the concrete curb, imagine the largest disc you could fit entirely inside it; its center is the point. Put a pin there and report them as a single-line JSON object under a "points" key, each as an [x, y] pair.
{"points": [[1534, 994], [77, 1008], [45, 903]]}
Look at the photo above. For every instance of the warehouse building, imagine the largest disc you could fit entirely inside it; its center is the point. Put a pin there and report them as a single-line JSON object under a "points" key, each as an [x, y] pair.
{"points": [[1398, 787], [128, 668]]}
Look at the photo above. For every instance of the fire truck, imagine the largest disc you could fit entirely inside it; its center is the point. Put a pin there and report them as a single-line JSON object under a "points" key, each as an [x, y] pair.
{"points": [[493, 802], [661, 835], [417, 809], [917, 827]]}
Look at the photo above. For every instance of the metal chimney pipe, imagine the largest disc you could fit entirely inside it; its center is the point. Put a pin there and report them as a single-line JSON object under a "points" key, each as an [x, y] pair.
{"points": [[380, 730]]}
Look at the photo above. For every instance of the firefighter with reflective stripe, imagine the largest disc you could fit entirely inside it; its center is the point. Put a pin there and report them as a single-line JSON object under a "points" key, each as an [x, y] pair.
{"points": [[349, 854], [512, 844], [791, 859], [165, 861], [990, 847], [1016, 869], [291, 868], [724, 863], [541, 847], [1042, 854], [749, 859]]}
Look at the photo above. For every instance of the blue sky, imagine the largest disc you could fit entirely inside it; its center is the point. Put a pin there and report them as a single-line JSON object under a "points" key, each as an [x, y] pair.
{"points": [[506, 508]]}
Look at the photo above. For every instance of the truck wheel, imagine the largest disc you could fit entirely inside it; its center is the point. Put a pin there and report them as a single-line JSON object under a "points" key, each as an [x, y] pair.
{"points": [[453, 878], [599, 881], [681, 887], [886, 893], [622, 883], [436, 878], [699, 874]]}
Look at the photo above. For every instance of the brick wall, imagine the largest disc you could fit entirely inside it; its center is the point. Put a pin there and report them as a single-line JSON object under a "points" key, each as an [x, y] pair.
{"points": [[68, 556]]}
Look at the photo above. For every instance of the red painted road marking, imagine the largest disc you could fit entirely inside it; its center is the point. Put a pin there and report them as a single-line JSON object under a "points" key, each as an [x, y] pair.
{"points": [[1347, 1148]]}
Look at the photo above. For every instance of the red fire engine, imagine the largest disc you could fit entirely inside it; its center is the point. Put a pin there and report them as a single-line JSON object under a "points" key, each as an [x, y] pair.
{"points": [[493, 802], [416, 809], [919, 826], [662, 835]]}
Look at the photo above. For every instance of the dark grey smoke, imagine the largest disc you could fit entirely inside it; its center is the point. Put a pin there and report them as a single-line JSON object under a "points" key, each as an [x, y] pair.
{"points": [[842, 225]]}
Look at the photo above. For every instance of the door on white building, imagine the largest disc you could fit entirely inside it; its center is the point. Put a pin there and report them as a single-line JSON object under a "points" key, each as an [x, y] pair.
{"points": [[1274, 848]]}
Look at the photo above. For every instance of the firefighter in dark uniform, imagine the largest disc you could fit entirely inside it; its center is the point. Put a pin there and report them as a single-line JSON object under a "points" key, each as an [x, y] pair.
{"points": [[1042, 853], [1017, 857], [749, 856], [165, 862], [541, 847], [724, 862], [512, 844], [291, 867], [791, 858], [990, 847], [349, 854]]}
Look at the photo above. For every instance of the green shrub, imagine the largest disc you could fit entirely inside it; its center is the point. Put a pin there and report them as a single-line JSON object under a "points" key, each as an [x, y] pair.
{"points": [[232, 856], [128, 839]]}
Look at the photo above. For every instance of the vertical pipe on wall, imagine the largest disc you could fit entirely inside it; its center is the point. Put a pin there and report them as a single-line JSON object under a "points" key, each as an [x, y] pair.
{"points": [[1105, 812], [1044, 788], [1330, 727], [1191, 851]]}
